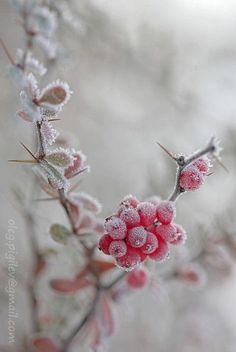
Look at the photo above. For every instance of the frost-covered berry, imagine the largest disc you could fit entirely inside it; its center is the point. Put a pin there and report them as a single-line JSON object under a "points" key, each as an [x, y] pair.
{"points": [[117, 248], [104, 243], [165, 212], [162, 251], [130, 216], [137, 236], [192, 274], [191, 178], [130, 260], [130, 201], [203, 164], [151, 244], [115, 227], [137, 278], [180, 235], [167, 232], [147, 213]]}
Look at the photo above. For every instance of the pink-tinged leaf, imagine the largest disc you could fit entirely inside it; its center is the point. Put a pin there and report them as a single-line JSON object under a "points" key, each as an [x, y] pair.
{"points": [[76, 166], [69, 286], [94, 333], [103, 266], [24, 115], [88, 202], [56, 94], [44, 344], [86, 223], [104, 315]]}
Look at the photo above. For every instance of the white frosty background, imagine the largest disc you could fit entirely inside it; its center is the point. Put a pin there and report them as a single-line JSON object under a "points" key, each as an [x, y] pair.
{"points": [[142, 71]]}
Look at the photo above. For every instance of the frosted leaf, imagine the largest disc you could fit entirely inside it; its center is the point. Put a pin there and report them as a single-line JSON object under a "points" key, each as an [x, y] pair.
{"points": [[86, 222], [29, 107], [60, 157], [42, 20], [31, 63], [24, 115], [31, 86], [17, 75], [55, 95], [78, 164], [55, 176], [43, 181], [90, 203], [49, 48], [49, 134]]}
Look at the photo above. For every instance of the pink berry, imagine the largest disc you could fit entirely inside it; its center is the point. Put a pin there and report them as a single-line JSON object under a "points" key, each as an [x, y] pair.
{"points": [[137, 278], [167, 232], [104, 243], [137, 236], [162, 251], [165, 212], [151, 244], [147, 212], [131, 259], [180, 236], [191, 178], [130, 201], [202, 164], [117, 248], [115, 227], [130, 216]]}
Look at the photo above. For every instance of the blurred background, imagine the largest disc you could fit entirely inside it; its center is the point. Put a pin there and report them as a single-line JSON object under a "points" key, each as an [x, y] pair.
{"points": [[141, 72]]}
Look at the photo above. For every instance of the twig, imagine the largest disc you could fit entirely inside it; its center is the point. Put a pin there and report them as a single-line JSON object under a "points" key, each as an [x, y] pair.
{"points": [[182, 162]]}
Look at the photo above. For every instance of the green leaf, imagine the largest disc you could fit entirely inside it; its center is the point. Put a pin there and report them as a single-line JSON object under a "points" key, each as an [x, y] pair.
{"points": [[59, 233]]}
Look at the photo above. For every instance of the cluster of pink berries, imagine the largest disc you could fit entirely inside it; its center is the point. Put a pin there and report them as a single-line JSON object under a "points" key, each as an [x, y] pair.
{"points": [[193, 175], [139, 230]]}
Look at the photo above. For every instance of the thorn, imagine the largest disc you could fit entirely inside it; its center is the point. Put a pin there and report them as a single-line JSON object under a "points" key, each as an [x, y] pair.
{"points": [[22, 161], [29, 151], [80, 172], [221, 164], [7, 52], [51, 120], [45, 199], [167, 151]]}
